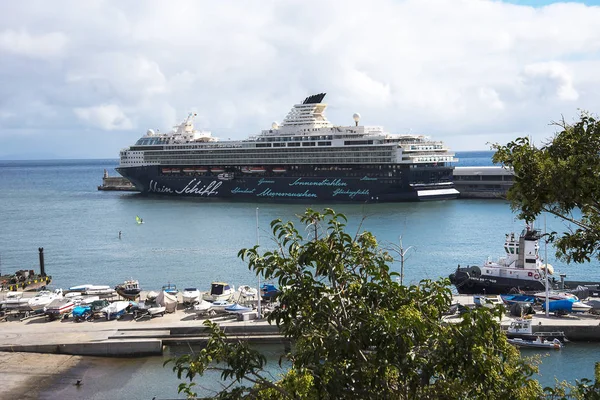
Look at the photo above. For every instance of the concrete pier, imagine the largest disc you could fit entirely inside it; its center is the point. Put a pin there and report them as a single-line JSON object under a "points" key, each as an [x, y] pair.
{"points": [[116, 183]]}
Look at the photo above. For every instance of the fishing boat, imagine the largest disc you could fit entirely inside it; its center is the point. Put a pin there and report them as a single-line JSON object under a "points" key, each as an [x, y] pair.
{"points": [[170, 288], [237, 309], [523, 328], [537, 343], [129, 289], [219, 291], [43, 298], [59, 308], [116, 310], [190, 295]]}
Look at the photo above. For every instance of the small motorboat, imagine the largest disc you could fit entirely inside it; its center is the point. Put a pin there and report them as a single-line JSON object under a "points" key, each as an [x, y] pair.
{"points": [[59, 308], [129, 289], [202, 307], [523, 328], [248, 292], [219, 291], [116, 310], [15, 301], [99, 290], [84, 300], [237, 309], [147, 309], [555, 295], [171, 289], [566, 305], [537, 343], [220, 305], [43, 298], [190, 295]]}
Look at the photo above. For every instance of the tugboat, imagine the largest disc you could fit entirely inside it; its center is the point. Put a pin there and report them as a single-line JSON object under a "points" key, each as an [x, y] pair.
{"points": [[520, 269]]}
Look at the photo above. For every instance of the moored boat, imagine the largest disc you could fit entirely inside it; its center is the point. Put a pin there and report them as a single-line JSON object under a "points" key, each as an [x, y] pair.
{"points": [[520, 269], [305, 158], [523, 328], [537, 343]]}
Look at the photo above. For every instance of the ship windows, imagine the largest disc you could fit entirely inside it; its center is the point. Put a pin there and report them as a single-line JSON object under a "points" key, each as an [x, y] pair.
{"points": [[308, 144], [324, 143], [293, 144]]}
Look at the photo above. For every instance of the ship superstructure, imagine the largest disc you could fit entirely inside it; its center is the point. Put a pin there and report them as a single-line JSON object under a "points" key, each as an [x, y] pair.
{"points": [[304, 158]]}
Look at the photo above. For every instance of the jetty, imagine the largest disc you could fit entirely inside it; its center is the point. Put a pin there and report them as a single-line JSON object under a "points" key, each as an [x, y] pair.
{"points": [[131, 337], [118, 183]]}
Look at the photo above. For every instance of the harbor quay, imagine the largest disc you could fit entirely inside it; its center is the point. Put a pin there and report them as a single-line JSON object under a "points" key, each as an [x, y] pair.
{"points": [[131, 337]]}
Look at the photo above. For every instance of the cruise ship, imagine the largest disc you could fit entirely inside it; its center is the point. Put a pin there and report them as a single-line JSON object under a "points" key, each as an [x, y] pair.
{"points": [[306, 159]]}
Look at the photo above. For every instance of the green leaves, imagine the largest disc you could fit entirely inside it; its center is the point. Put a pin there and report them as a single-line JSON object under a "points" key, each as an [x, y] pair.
{"points": [[563, 179], [358, 333]]}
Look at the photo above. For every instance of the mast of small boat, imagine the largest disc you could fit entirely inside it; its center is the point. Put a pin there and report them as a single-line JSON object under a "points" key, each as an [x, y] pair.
{"points": [[258, 243], [546, 267]]}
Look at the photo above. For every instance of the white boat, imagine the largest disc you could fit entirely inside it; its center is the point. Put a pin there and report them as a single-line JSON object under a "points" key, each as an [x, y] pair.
{"points": [[151, 295], [537, 343], [59, 307], [157, 310], [43, 298], [15, 301], [190, 295], [219, 291], [84, 300], [220, 305], [523, 328], [116, 310], [99, 289], [487, 301], [248, 292], [202, 307], [556, 295], [168, 301]]}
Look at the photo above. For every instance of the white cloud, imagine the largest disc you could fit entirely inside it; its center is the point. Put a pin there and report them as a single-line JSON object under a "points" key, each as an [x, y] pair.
{"points": [[107, 116], [45, 45], [462, 71]]}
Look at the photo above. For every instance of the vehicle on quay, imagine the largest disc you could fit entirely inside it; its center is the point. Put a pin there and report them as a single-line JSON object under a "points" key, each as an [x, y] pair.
{"points": [[306, 158]]}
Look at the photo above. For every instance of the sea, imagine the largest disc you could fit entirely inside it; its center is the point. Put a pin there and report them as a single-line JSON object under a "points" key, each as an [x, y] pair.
{"points": [[55, 204]]}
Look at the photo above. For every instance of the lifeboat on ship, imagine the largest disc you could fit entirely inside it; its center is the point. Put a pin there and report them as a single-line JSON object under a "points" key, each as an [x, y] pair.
{"points": [[217, 170], [188, 170], [166, 170], [175, 170], [253, 170], [202, 170], [279, 170]]}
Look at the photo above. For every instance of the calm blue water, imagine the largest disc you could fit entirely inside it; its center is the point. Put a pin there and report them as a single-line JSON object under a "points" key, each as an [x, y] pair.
{"points": [[56, 205]]}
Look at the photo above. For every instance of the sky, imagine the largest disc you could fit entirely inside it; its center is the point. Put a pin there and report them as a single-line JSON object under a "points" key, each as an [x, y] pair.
{"points": [[86, 79]]}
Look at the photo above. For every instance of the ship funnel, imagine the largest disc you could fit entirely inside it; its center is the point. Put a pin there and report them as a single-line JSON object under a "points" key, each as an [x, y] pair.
{"points": [[42, 269]]}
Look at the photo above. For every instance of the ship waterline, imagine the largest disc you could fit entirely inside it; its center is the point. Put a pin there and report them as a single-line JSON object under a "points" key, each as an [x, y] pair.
{"points": [[306, 158]]}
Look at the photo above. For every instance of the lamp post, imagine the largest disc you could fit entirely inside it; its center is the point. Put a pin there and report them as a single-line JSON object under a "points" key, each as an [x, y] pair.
{"points": [[258, 243]]}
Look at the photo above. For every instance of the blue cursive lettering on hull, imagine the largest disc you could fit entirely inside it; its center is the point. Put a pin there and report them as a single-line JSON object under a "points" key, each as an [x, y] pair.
{"points": [[350, 193], [270, 193], [324, 182], [239, 190], [261, 181]]}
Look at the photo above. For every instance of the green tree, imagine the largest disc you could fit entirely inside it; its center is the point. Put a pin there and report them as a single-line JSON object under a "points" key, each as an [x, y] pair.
{"points": [[561, 178], [358, 333]]}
